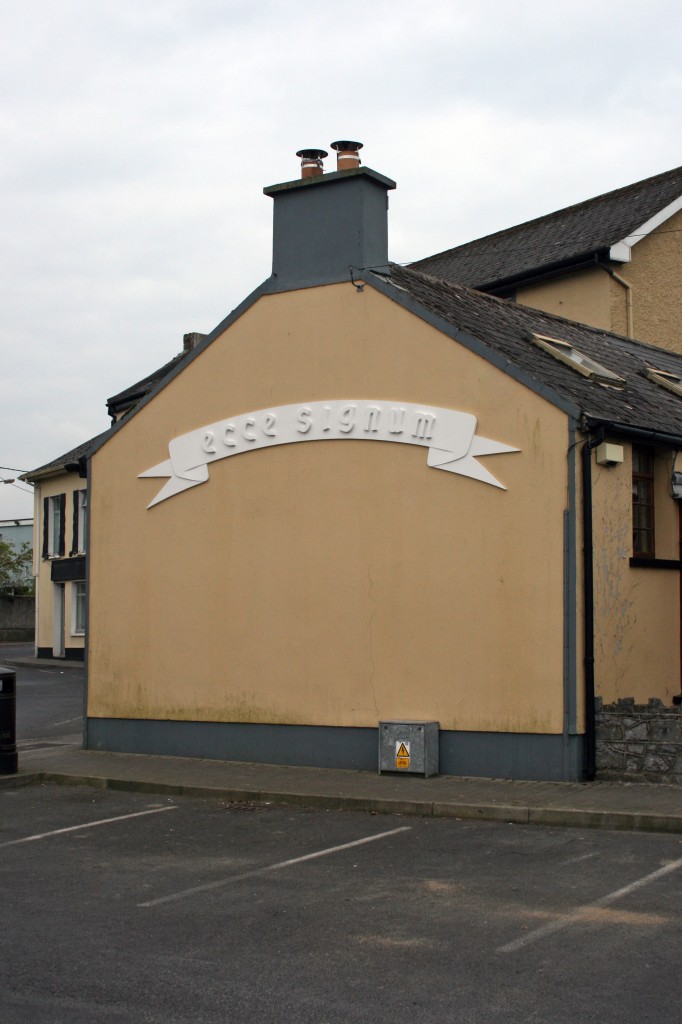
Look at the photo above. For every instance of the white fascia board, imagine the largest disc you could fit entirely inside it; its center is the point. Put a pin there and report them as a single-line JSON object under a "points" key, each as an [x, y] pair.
{"points": [[45, 474], [621, 252]]}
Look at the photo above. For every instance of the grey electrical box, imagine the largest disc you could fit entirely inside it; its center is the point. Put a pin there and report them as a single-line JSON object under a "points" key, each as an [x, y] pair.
{"points": [[408, 747]]}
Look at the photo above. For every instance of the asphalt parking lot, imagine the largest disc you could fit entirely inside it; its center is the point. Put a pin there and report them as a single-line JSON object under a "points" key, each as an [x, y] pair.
{"points": [[123, 906]]}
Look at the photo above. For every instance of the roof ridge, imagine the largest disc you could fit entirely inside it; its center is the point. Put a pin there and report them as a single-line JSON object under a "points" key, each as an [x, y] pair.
{"points": [[546, 217]]}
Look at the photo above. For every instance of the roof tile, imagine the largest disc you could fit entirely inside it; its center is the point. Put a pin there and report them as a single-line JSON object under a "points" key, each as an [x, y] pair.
{"points": [[577, 233]]}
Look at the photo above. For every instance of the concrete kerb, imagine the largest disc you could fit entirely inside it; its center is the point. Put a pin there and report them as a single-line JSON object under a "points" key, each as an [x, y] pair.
{"points": [[513, 814], [21, 779]]}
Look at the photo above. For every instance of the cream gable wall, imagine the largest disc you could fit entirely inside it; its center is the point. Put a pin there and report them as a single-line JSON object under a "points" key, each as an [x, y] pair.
{"points": [[332, 583], [584, 296], [655, 275], [593, 297]]}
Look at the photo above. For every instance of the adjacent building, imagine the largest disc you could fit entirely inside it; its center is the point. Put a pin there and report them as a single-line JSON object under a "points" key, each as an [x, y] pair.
{"points": [[61, 530], [612, 261], [59, 547]]}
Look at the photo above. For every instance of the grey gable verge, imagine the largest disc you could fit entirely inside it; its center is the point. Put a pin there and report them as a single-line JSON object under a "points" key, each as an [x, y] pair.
{"points": [[182, 364], [475, 343], [69, 459]]}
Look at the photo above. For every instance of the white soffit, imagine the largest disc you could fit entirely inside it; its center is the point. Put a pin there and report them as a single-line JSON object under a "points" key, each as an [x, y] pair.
{"points": [[621, 251]]}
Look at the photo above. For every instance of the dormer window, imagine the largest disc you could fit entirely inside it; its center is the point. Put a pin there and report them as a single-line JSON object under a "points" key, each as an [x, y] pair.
{"points": [[667, 380], [568, 354]]}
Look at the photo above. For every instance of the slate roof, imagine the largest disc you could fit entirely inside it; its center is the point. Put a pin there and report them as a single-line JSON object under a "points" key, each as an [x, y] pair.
{"points": [[68, 460], [567, 238], [119, 403], [130, 395], [502, 328], [124, 400]]}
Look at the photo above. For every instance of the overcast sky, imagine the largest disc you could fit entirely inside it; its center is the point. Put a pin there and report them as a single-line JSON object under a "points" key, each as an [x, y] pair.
{"points": [[137, 136]]}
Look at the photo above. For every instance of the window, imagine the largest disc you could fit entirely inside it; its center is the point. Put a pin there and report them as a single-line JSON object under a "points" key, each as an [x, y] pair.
{"points": [[80, 512], [53, 526], [566, 353], [643, 536], [78, 608], [669, 381]]}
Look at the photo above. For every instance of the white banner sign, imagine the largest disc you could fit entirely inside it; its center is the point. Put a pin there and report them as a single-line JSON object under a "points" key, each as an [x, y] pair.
{"points": [[449, 435]]}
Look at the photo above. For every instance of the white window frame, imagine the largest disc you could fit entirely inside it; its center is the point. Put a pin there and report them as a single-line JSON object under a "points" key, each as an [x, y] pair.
{"points": [[669, 381], [82, 520], [568, 354], [78, 595], [54, 525]]}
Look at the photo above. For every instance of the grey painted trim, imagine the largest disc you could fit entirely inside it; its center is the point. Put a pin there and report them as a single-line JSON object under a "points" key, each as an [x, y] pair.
{"points": [[67, 570], [70, 654], [535, 275], [655, 563], [274, 285], [474, 345], [237, 312], [479, 754], [592, 424], [329, 178]]}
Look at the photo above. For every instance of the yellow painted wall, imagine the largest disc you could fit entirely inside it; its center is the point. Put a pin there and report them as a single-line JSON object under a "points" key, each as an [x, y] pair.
{"points": [[64, 483], [637, 610], [584, 296], [334, 582], [655, 274], [593, 297]]}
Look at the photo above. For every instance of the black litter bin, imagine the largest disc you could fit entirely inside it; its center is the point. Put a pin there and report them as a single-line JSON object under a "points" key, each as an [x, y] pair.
{"points": [[8, 721]]}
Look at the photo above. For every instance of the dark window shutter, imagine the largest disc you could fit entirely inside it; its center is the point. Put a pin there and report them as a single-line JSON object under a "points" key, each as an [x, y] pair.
{"points": [[62, 525], [74, 539], [46, 526]]}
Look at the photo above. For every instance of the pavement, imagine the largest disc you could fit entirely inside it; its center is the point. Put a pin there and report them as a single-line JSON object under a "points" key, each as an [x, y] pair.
{"points": [[612, 805], [635, 806]]}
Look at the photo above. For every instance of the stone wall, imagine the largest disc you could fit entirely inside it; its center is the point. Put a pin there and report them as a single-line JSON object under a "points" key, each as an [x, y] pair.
{"points": [[639, 741], [17, 618]]}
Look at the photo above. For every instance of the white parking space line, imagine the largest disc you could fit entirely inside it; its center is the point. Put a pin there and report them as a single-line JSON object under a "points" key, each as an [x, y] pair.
{"points": [[66, 721], [576, 860], [88, 824], [219, 883], [578, 915]]}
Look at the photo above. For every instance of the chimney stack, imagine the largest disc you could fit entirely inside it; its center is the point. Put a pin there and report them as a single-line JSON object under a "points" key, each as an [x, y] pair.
{"points": [[347, 155], [191, 340], [326, 224], [311, 162]]}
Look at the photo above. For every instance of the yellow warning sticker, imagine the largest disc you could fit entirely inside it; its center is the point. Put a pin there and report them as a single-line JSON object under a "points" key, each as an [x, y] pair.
{"points": [[402, 754]]}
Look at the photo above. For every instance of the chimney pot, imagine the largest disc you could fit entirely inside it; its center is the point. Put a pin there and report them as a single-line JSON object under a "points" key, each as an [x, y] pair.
{"points": [[347, 155], [311, 162]]}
